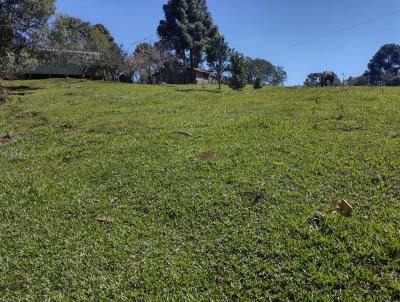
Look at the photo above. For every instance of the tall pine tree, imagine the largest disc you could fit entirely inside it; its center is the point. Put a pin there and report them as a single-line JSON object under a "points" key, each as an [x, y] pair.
{"points": [[187, 26]]}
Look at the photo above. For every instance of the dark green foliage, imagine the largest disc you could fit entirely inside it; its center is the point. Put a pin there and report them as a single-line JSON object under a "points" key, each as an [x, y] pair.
{"points": [[384, 65], [217, 55], [278, 76], [258, 68], [86, 45], [187, 26], [394, 81], [21, 28], [312, 80], [20, 20], [238, 71], [358, 81], [264, 70], [318, 79], [174, 28], [257, 83]]}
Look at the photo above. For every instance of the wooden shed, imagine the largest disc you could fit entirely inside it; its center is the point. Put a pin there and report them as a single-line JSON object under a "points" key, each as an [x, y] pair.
{"points": [[182, 75]]}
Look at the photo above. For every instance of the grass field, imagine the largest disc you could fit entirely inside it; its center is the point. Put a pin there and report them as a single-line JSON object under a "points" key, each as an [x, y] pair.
{"points": [[103, 199]]}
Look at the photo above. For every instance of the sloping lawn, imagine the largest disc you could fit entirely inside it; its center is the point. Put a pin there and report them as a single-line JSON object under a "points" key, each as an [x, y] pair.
{"points": [[117, 192]]}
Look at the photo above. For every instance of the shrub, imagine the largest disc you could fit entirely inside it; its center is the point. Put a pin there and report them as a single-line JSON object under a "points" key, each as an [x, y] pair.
{"points": [[238, 68], [257, 83], [394, 81]]}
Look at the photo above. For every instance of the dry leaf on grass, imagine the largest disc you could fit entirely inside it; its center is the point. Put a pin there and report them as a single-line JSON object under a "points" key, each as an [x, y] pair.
{"points": [[343, 208], [104, 219], [184, 133], [6, 139]]}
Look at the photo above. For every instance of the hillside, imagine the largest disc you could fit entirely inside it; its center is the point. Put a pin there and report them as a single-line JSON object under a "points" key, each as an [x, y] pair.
{"points": [[118, 192]]}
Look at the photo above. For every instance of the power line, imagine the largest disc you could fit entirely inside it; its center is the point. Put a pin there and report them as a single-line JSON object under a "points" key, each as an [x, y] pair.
{"points": [[348, 28]]}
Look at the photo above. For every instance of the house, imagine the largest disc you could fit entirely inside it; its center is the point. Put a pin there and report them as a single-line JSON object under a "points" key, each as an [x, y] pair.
{"points": [[182, 75]]}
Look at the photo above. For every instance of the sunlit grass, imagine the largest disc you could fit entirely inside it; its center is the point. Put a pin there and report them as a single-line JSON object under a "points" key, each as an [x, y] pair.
{"points": [[105, 198]]}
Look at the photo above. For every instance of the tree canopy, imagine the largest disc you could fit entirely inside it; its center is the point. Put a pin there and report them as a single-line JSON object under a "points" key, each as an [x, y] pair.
{"points": [[188, 26], [21, 24], [88, 46], [264, 72], [217, 54], [238, 70], [385, 65]]}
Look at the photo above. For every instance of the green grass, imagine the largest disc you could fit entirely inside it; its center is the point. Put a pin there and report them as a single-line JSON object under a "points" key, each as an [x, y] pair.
{"points": [[180, 228]]}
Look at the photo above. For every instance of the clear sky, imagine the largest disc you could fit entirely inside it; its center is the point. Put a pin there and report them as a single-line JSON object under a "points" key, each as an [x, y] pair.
{"points": [[302, 35]]}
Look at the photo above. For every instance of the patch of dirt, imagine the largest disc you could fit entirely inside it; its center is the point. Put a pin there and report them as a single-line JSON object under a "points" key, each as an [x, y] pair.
{"points": [[6, 139], [255, 196], [207, 155]]}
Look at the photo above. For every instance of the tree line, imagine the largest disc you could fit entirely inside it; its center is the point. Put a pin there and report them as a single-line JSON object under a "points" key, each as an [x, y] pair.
{"points": [[31, 33], [383, 70]]}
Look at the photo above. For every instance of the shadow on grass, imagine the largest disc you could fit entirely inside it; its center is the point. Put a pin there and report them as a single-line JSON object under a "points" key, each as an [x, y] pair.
{"points": [[199, 90], [22, 88]]}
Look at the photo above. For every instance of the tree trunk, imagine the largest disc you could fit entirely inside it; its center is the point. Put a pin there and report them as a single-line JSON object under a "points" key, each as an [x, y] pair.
{"points": [[191, 58], [219, 83], [193, 78], [1, 82]]}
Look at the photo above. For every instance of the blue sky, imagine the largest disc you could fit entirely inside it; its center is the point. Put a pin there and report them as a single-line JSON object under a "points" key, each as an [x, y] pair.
{"points": [[303, 36]]}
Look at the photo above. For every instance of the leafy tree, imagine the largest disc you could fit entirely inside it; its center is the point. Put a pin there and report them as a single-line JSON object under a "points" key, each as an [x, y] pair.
{"points": [[278, 76], [384, 65], [217, 54], [187, 26], [88, 46], [21, 24], [112, 57], [265, 71], [238, 70], [72, 41], [148, 59], [312, 80], [258, 68]]}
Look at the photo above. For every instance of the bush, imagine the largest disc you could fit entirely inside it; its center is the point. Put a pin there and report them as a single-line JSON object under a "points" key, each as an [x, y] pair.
{"points": [[358, 81], [257, 83], [394, 81], [237, 68], [237, 83]]}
